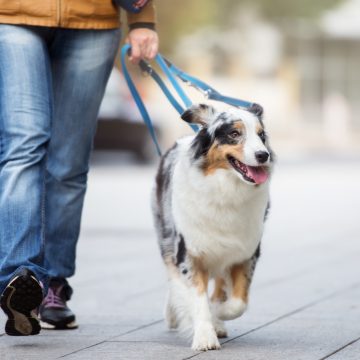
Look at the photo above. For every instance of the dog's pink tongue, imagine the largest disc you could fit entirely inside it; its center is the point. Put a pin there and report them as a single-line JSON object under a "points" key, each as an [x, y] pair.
{"points": [[258, 174]]}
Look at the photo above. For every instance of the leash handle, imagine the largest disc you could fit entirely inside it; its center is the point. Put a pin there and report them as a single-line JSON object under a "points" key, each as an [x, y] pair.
{"points": [[124, 51]]}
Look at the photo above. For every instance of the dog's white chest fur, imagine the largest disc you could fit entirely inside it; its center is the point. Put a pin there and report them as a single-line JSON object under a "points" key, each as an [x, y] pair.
{"points": [[220, 217]]}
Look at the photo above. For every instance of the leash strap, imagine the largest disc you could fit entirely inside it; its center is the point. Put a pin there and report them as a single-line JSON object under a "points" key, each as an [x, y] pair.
{"points": [[145, 67], [206, 89], [171, 71], [159, 59], [137, 98]]}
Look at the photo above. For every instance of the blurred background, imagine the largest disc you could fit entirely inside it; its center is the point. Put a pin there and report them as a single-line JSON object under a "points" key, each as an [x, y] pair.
{"points": [[299, 59]]}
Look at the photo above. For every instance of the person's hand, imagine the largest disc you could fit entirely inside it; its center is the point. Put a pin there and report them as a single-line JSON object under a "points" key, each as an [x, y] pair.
{"points": [[144, 44]]}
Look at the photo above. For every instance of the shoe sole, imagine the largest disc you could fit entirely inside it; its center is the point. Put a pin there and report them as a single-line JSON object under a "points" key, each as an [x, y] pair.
{"points": [[59, 326], [19, 300]]}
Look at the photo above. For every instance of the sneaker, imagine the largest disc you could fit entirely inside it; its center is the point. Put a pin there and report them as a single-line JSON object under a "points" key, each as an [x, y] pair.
{"points": [[20, 301], [54, 313]]}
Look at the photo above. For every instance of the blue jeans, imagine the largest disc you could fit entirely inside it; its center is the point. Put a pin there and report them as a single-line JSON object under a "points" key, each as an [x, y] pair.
{"points": [[52, 82]]}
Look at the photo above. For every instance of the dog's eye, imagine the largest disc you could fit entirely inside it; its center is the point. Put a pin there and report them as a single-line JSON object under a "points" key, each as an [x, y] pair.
{"points": [[262, 136], [235, 134]]}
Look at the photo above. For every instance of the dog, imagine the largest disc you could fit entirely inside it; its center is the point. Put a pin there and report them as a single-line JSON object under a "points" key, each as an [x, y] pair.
{"points": [[210, 203]]}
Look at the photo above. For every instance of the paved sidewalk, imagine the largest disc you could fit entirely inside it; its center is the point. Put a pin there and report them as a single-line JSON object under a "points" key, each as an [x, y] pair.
{"points": [[305, 299]]}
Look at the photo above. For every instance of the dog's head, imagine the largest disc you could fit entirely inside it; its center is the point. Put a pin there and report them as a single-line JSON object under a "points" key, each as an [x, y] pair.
{"points": [[233, 140]]}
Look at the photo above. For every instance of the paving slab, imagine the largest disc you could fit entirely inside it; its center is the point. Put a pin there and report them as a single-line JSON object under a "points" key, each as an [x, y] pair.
{"points": [[134, 351], [304, 299], [350, 351], [311, 333]]}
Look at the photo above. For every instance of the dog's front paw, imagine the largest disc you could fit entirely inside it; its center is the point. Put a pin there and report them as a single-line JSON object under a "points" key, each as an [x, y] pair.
{"points": [[205, 338]]}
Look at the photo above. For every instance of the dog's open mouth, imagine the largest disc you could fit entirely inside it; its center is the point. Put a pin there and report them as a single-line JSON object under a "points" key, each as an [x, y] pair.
{"points": [[254, 174]]}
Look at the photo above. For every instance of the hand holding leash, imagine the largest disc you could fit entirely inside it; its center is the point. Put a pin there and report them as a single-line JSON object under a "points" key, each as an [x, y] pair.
{"points": [[144, 44]]}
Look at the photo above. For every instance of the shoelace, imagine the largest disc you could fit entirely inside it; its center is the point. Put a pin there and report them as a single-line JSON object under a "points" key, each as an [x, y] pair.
{"points": [[53, 298]]}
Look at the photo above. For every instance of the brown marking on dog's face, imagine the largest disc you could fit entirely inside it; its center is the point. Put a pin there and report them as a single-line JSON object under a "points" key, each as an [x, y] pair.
{"points": [[200, 277], [223, 147], [239, 125], [219, 294], [260, 130], [240, 281], [215, 159]]}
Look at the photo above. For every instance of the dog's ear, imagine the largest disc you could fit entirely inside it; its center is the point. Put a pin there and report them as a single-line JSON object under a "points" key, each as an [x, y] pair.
{"points": [[200, 114], [257, 110]]}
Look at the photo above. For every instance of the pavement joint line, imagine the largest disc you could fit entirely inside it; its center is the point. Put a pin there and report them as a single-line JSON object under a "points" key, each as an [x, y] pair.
{"points": [[137, 329], [85, 348], [310, 304], [112, 337], [133, 341], [340, 349], [324, 298], [306, 271]]}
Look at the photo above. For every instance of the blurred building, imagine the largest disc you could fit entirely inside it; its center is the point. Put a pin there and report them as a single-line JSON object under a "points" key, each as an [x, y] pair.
{"points": [[305, 73], [327, 58]]}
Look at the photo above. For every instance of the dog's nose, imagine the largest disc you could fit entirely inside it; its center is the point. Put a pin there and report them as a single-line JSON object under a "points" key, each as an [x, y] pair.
{"points": [[262, 156]]}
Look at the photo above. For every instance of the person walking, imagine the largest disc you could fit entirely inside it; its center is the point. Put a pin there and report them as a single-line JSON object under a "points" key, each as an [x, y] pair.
{"points": [[55, 60]]}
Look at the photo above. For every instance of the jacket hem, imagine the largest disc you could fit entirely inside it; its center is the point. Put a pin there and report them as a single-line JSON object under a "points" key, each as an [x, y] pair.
{"points": [[90, 25]]}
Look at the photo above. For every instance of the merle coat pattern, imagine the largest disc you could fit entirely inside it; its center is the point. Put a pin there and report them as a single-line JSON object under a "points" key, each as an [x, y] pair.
{"points": [[210, 202]]}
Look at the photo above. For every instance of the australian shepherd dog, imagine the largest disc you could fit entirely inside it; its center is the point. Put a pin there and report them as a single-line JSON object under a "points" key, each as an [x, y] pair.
{"points": [[210, 203]]}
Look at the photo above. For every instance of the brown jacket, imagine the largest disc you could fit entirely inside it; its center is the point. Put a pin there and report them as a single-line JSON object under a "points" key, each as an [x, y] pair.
{"points": [[74, 14]]}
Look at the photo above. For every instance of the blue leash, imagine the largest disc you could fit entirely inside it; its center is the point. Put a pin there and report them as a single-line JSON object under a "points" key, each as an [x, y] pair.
{"points": [[171, 71], [137, 98], [206, 89]]}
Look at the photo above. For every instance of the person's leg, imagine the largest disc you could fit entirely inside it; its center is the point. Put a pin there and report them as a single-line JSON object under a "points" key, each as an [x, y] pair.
{"points": [[81, 64], [25, 115]]}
